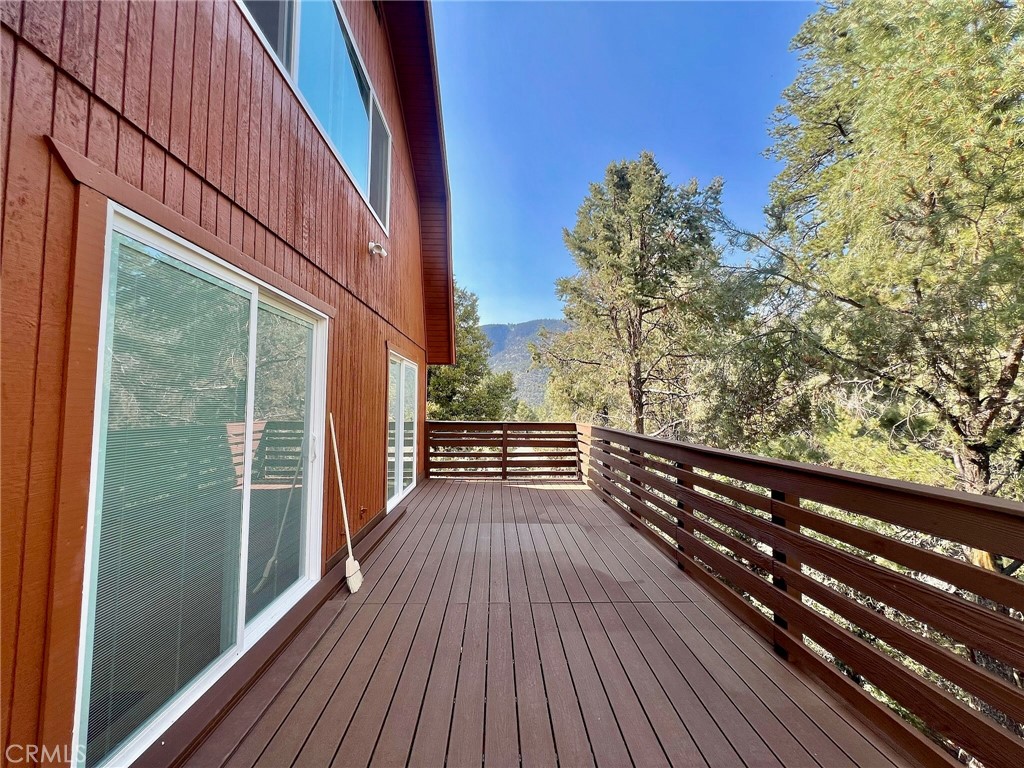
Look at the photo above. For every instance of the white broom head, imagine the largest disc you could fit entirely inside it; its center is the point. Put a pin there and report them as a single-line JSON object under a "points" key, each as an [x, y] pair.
{"points": [[353, 576]]}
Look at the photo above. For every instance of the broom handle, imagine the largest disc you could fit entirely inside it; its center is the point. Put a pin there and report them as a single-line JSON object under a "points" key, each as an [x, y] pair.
{"points": [[341, 489]]}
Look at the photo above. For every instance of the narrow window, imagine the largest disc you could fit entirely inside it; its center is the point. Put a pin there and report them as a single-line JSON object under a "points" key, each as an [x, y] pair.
{"points": [[204, 519], [402, 427], [380, 165]]}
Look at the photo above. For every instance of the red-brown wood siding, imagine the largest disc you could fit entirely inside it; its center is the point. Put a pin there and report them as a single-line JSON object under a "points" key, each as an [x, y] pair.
{"points": [[182, 102]]}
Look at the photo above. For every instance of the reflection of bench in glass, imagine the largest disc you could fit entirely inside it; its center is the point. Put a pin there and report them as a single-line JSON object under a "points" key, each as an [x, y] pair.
{"points": [[275, 506], [277, 453]]}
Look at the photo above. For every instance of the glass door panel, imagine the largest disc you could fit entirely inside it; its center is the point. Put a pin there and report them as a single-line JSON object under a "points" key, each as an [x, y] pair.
{"points": [[278, 495], [408, 425], [401, 458], [169, 501], [394, 418]]}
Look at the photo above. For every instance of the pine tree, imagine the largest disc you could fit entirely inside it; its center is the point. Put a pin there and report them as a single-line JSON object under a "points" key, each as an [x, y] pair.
{"points": [[644, 303], [898, 220]]}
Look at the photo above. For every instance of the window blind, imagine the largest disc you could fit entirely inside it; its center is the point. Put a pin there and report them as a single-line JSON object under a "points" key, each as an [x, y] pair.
{"points": [[169, 512]]}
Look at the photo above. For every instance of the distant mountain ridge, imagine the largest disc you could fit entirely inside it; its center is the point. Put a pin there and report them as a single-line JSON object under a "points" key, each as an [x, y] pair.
{"points": [[510, 351]]}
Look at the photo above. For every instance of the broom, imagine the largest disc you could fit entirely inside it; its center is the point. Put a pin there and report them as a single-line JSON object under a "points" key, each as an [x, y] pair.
{"points": [[353, 576]]}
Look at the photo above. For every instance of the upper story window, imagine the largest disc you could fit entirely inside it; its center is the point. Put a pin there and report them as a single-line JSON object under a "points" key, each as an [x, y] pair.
{"points": [[312, 42]]}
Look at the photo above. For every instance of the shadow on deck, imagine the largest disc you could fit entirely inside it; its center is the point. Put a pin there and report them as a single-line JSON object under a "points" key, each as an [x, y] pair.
{"points": [[508, 623]]}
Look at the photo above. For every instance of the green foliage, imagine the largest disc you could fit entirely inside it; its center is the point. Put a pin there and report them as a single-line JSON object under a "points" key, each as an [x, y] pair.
{"points": [[647, 300], [469, 390], [897, 223]]}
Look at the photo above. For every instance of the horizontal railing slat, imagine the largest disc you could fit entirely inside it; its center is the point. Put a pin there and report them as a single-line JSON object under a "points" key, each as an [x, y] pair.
{"points": [[504, 449], [996, 525]]}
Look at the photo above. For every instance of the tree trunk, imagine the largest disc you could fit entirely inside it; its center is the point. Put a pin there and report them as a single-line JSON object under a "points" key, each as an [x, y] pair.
{"points": [[974, 475], [636, 397]]}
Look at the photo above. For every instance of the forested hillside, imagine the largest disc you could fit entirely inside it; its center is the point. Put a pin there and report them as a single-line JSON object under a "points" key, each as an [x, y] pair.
{"points": [[510, 352]]}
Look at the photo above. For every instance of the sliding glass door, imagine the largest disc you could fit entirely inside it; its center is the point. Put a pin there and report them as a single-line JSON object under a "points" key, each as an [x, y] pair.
{"points": [[204, 519], [403, 379]]}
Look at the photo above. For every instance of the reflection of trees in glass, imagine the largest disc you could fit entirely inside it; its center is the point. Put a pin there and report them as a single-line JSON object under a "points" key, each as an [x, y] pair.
{"points": [[283, 354], [180, 347]]}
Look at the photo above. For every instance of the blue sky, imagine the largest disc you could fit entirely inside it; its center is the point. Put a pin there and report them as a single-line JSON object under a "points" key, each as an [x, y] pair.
{"points": [[538, 98]]}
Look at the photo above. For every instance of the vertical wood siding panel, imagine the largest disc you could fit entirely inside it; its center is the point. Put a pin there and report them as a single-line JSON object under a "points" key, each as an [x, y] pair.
{"points": [[174, 184], [313, 180], [153, 161], [78, 50], [245, 74], [46, 421], [110, 52], [102, 142], [266, 137], [215, 121], [129, 154], [300, 240], [137, 62], [161, 72], [231, 98], [236, 226], [71, 108], [22, 276], [193, 191], [276, 152], [252, 192], [223, 218], [41, 25], [289, 173], [7, 72], [181, 84], [208, 216], [260, 249], [197, 145], [248, 235]]}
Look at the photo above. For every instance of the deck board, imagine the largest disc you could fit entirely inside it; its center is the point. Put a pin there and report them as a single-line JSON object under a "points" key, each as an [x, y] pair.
{"points": [[516, 623]]}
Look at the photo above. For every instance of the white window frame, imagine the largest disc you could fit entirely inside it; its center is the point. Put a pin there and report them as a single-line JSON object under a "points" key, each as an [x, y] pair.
{"points": [[400, 430], [286, 71], [127, 222]]}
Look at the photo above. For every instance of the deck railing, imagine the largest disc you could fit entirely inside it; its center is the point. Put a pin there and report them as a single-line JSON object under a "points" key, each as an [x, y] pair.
{"points": [[864, 583], [507, 450], [817, 561]]}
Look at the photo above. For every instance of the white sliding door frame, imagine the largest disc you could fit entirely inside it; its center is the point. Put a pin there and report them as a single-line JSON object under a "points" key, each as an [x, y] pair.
{"points": [[400, 493], [136, 227]]}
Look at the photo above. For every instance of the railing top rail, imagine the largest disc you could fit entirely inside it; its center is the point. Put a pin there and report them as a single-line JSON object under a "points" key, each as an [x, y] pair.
{"points": [[543, 425], [753, 469]]}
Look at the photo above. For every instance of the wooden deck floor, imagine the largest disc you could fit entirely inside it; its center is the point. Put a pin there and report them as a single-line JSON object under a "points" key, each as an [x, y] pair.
{"points": [[503, 624]]}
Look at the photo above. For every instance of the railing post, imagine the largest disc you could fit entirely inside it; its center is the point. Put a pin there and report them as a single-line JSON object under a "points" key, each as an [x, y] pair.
{"points": [[684, 509], [780, 556], [504, 451], [632, 479], [579, 456], [426, 458]]}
